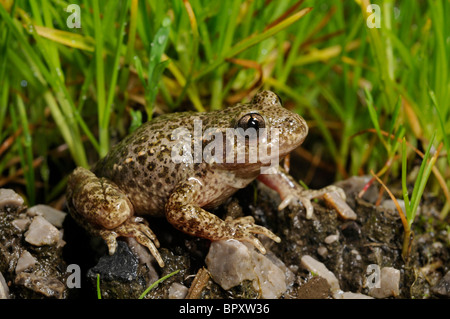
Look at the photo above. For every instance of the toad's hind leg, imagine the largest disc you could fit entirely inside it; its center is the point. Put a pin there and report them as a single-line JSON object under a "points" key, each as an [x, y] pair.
{"points": [[104, 210], [184, 214]]}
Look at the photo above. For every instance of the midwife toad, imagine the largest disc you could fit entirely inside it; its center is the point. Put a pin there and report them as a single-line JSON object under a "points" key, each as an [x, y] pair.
{"points": [[140, 176]]}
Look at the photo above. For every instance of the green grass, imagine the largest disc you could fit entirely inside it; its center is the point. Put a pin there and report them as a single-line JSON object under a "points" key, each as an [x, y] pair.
{"points": [[146, 291], [99, 291], [360, 89], [412, 201], [156, 283]]}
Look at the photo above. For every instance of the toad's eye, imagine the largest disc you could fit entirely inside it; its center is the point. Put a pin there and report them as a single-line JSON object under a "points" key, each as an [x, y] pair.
{"points": [[251, 120]]}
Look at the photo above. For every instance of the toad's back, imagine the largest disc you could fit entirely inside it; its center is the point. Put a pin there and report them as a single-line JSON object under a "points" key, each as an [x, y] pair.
{"points": [[143, 167]]}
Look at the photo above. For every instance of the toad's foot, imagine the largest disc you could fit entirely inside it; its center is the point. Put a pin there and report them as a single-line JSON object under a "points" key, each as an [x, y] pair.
{"points": [[244, 229], [333, 195], [137, 228], [292, 194]]}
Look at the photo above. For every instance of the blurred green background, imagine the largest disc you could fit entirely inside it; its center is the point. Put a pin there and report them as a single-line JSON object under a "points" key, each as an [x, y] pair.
{"points": [[363, 78]]}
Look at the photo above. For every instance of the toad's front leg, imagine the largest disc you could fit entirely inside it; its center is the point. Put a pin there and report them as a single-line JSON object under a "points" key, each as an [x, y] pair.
{"points": [[185, 214], [291, 193], [99, 206]]}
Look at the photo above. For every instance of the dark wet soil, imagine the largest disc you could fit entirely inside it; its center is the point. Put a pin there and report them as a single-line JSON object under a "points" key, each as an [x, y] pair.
{"points": [[46, 278], [374, 238], [346, 248]]}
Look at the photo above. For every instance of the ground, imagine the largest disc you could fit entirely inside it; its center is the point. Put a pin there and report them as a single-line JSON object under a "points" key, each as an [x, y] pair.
{"points": [[345, 247]]}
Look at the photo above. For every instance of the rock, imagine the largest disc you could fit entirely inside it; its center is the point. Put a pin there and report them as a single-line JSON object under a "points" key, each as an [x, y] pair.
{"points": [[120, 266], [340, 205], [25, 261], [322, 251], [353, 185], [4, 290], [8, 197], [389, 283], [288, 274], [321, 270], [25, 265], [270, 278], [230, 262], [442, 288], [21, 223], [120, 274], [41, 232], [54, 216], [331, 239], [315, 288], [350, 295], [144, 257], [47, 286], [389, 204], [177, 291]]}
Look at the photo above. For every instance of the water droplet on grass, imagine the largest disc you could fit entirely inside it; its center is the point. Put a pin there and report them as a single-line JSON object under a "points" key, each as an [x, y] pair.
{"points": [[161, 39], [166, 22]]}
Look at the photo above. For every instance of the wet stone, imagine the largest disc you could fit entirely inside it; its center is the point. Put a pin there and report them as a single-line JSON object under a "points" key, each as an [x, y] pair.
{"points": [[21, 223], [41, 232], [321, 270], [54, 216], [8, 197], [47, 286], [231, 263], [442, 288], [121, 275], [120, 266], [389, 283], [4, 290], [177, 291], [31, 271], [25, 261], [350, 295], [315, 288]]}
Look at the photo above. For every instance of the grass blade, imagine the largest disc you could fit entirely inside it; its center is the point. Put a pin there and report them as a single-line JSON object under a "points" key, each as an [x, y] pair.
{"points": [[69, 39], [404, 187], [99, 292], [422, 178], [25, 148], [156, 283], [442, 125], [155, 66], [115, 68], [374, 116], [253, 40], [100, 80]]}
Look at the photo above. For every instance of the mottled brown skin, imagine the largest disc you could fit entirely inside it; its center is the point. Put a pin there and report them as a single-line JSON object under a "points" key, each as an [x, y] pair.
{"points": [[139, 176]]}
